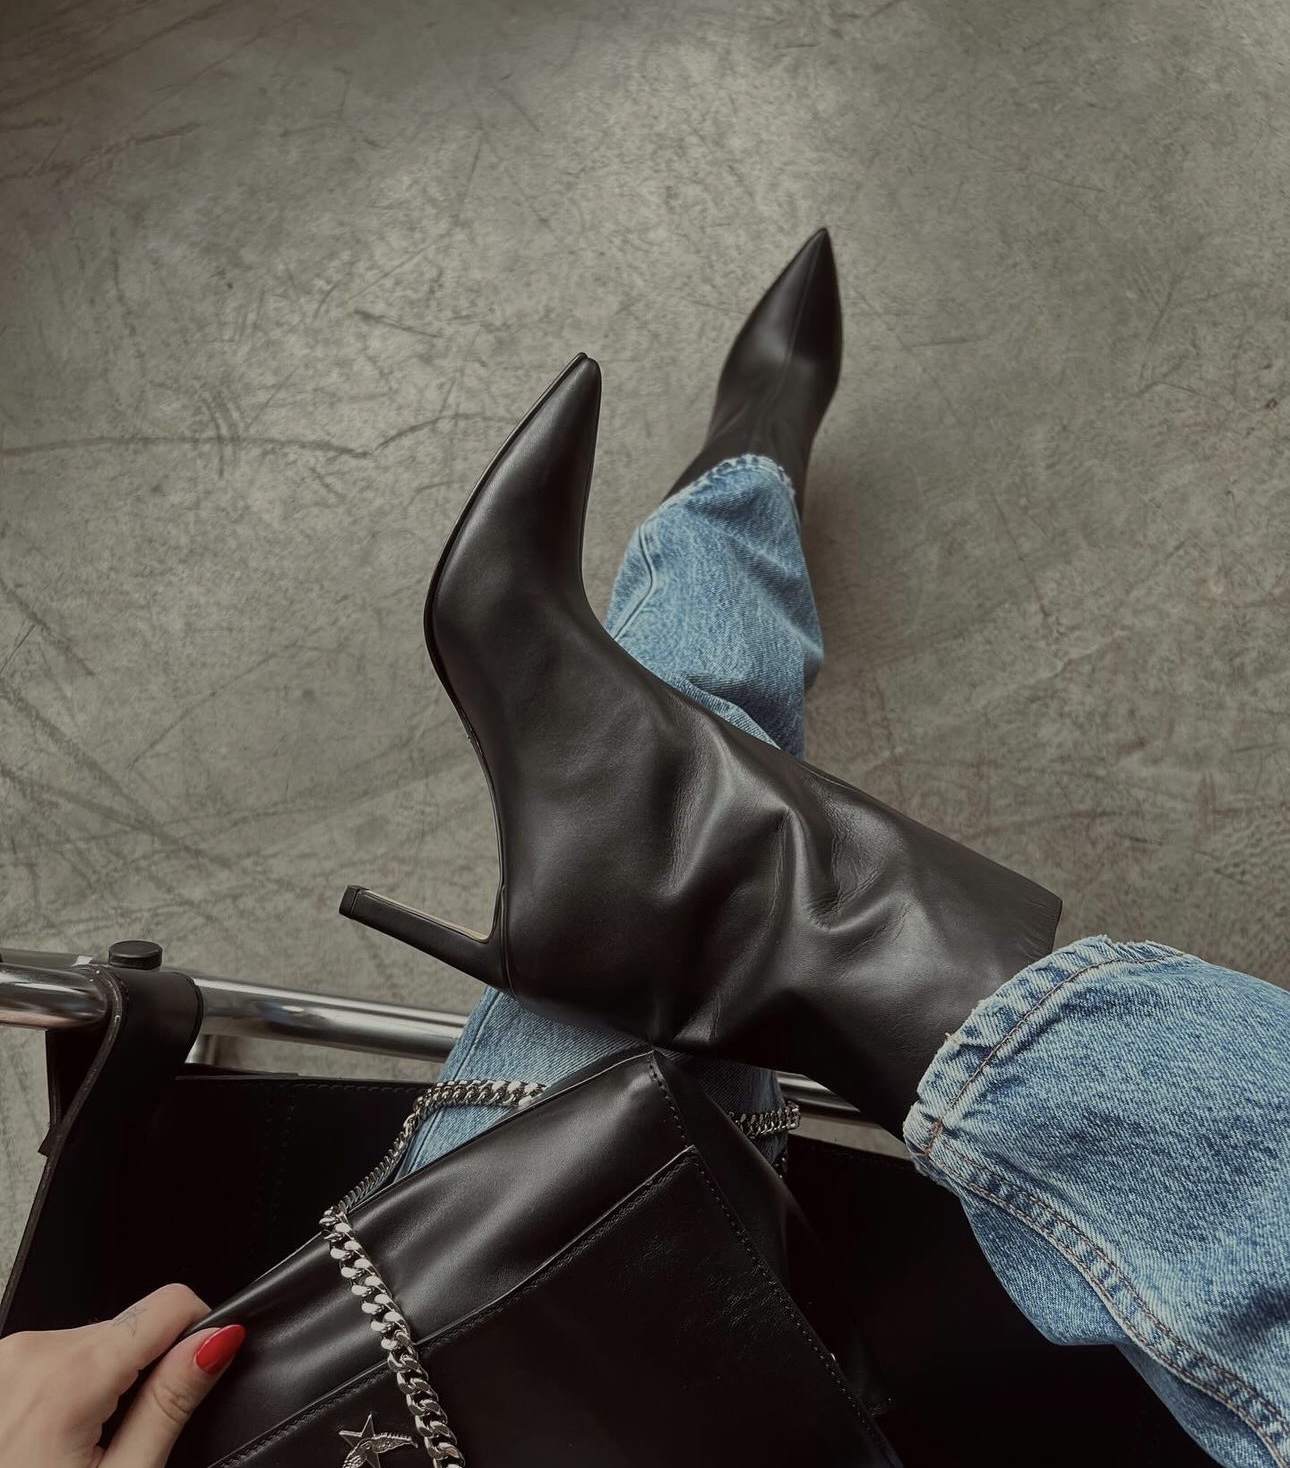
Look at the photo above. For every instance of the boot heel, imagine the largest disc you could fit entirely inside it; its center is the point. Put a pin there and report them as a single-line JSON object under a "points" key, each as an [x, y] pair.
{"points": [[476, 954]]}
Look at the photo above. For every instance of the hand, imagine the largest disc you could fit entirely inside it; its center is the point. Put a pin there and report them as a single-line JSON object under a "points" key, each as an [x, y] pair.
{"points": [[58, 1387]]}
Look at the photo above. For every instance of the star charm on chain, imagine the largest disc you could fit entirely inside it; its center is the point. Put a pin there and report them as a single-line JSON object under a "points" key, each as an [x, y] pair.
{"points": [[367, 1445]]}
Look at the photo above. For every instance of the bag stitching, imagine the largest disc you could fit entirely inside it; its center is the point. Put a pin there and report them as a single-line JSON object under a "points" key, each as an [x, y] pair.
{"points": [[275, 1182], [789, 1308], [657, 1077], [787, 1305]]}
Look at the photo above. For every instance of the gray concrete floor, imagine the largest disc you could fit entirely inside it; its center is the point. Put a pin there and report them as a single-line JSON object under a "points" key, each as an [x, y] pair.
{"points": [[279, 276]]}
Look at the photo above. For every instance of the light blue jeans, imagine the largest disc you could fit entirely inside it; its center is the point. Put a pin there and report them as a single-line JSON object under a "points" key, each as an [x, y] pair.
{"points": [[1115, 1119]]}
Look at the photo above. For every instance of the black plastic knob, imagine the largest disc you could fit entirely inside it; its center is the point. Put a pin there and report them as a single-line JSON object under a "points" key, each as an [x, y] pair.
{"points": [[135, 953]]}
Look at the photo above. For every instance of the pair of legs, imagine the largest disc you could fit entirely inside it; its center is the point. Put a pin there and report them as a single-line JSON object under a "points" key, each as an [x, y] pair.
{"points": [[1115, 1119]]}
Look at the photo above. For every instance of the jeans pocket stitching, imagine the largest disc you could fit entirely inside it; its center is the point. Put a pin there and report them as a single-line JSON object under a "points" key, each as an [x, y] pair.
{"points": [[1176, 1355]]}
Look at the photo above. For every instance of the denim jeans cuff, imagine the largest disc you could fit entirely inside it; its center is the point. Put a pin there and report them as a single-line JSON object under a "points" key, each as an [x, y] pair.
{"points": [[728, 468], [965, 1066]]}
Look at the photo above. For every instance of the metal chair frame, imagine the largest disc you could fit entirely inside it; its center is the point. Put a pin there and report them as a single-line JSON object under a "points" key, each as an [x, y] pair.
{"points": [[57, 991]]}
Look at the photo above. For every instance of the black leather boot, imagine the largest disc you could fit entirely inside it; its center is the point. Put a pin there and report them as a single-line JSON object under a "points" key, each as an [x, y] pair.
{"points": [[781, 372], [662, 871]]}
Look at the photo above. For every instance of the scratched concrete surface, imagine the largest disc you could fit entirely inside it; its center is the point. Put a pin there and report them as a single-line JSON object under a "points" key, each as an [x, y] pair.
{"points": [[278, 277]]}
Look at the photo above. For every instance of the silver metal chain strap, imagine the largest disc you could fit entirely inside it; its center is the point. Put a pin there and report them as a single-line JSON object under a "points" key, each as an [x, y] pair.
{"points": [[396, 1338], [365, 1281], [758, 1124], [514, 1094]]}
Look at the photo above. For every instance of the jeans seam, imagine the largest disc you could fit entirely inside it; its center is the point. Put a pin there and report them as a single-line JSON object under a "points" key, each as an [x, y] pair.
{"points": [[490, 998], [1176, 1354], [617, 633], [428, 1127], [644, 530], [1027, 1014]]}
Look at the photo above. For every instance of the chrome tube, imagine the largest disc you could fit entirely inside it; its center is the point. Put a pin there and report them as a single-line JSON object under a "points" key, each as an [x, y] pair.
{"points": [[48, 998], [259, 1012], [61, 997]]}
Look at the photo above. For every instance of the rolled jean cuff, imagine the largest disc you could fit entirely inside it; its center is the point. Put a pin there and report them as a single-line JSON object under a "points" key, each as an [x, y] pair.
{"points": [[1011, 1019], [1115, 1121], [740, 466]]}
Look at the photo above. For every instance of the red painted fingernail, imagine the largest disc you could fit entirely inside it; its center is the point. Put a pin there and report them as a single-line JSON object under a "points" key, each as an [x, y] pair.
{"points": [[217, 1350]]}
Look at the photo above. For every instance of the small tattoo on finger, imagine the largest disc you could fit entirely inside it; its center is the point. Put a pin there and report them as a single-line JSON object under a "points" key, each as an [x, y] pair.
{"points": [[129, 1317]]}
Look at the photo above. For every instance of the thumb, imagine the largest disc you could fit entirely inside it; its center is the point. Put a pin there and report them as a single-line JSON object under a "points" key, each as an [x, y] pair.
{"points": [[169, 1396]]}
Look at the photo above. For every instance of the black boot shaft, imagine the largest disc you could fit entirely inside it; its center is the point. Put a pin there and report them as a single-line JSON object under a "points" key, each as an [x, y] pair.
{"points": [[663, 872]]}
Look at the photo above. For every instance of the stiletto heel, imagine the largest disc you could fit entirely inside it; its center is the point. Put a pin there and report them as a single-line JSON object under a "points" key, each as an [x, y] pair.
{"points": [[476, 954]]}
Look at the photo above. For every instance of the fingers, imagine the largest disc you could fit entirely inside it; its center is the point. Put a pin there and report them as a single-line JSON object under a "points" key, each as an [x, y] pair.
{"points": [[58, 1387], [137, 1336], [169, 1396], [84, 1370]]}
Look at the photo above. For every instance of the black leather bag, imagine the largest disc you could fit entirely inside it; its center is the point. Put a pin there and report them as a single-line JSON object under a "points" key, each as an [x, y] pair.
{"points": [[612, 1277], [160, 1170]]}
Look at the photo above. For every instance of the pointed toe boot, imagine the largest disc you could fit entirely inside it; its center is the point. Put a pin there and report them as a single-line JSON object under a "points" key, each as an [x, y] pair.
{"points": [[782, 371], [662, 872]]}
